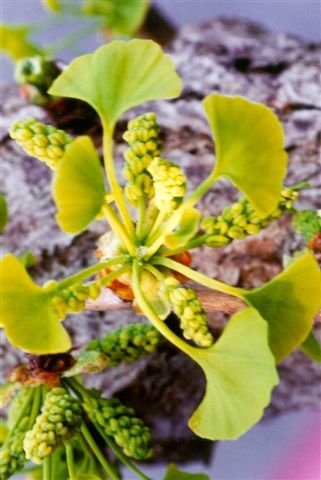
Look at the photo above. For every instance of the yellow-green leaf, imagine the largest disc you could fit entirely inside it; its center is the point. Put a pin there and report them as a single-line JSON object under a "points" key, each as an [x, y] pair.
{"points": [[52, 5], [249, 148], [26, 313], [174, 473], [123, 17], [78, 186], [3, 213], [186, 230], [240, 373], [289, 303], [312, 348], [15, 42], [119, 76]]}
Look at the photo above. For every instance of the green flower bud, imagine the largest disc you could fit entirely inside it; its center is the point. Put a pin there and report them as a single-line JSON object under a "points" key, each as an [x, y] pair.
{"points": [[169, 184], [120, 423], [44, 142], [193, 320], [60, 418], [144, 145], [73, 299], [12, 456], [240, 220], [127, 344]]}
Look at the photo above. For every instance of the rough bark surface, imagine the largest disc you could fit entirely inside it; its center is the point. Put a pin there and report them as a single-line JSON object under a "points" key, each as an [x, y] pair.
{"points": [[223, 55]]}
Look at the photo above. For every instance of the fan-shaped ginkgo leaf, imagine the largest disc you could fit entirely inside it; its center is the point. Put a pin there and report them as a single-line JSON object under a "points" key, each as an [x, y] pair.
{"points": [[78, 186], [249, 148], [289, 303], [119, 76], [26, 312], [240, 373]]}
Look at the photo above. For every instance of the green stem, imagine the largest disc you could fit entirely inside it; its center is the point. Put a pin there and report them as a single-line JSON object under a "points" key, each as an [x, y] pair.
{"points": [[55, 462], [46, 468], [119, 229], [156, 230], [177, 214], [111, 276], [119, 453], [100, 457], [77, 388], [88, 272], [194, 243], [154, 271], [82, 393], [149, 219], [70, 461], [112, 179], [150, 313], [140, 217], [198, 277], [37, 401], [23, 411]]}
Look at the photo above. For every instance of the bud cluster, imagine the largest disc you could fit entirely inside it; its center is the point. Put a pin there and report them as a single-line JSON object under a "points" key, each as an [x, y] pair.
{"points": [[12, 455], [169, 184], [239, 220], [60, 417], [120, 422], [187, 306], [73, 299], [127, 344], [44, 142], [144, 145]]}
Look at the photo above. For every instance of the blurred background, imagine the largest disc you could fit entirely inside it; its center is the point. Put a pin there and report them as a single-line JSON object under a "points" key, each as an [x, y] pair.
{"points": [[286, 447], [301, 18]]}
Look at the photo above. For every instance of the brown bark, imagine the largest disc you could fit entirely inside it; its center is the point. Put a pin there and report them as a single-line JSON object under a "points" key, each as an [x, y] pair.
{"points": [[213, 302]]}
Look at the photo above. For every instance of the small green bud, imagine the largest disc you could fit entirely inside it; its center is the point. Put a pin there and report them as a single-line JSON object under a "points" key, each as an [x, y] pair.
{"points": [[144, 145], [193, 320], [120, 423], [44, 142], [60, 418], [127, 344]]}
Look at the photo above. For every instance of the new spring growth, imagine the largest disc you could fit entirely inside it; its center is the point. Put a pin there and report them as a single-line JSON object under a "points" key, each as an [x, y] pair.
{"points": [[127, 344], [142, 137], [12, 454], [120, 423], [188, 308], [44, 142], [73, 299], [59, 420], [169, 184], [167, 223], [239, 220]]}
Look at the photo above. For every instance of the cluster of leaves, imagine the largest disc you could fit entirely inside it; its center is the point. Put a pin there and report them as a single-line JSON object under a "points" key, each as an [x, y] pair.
{"points": [[58, 424], [141, 252]]}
